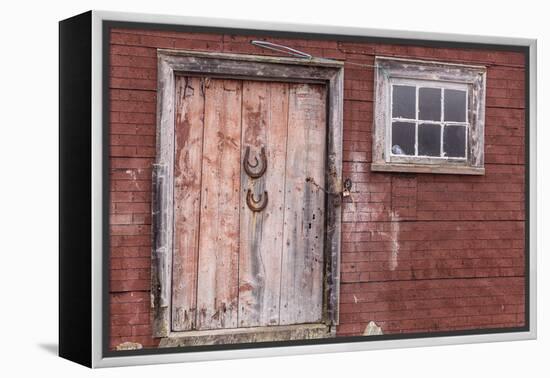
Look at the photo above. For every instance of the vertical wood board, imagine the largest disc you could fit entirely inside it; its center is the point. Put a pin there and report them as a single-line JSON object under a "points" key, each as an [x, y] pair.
{"points": [[188, 142], [304, 218], [217, 287], [264, 125], [333, 174], [162, 208]]}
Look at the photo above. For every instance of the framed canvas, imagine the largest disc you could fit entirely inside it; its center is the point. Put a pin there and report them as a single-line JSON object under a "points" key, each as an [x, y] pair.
{"points": [[234, 189]]}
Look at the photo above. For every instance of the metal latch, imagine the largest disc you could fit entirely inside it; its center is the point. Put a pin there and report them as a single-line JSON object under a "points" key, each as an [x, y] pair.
{"points": [[347, 188], [346, 192]]}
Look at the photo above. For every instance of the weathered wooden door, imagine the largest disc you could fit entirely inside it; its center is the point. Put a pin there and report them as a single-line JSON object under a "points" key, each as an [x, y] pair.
{"points": [[249, 214]]}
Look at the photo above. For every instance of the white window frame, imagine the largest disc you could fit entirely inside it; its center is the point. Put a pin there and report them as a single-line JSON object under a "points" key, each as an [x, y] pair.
{"points": [[417, 73]]}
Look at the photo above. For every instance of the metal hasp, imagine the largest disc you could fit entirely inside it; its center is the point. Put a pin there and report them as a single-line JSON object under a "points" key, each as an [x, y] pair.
{"points": [[253, 204], [247, 166], [347, 188]]}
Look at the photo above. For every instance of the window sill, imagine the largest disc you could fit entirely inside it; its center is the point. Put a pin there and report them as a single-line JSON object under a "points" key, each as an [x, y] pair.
{"points": [[417, 168], [248, 335]]}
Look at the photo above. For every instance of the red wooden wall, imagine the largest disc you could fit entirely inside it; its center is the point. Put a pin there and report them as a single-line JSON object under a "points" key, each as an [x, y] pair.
{"points": [[420, 252]]}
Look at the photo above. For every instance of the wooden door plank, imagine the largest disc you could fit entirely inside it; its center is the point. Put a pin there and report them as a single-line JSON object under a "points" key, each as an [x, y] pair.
{"points": [[304, 218], [217, 286], [264, 125], [189, 126]]}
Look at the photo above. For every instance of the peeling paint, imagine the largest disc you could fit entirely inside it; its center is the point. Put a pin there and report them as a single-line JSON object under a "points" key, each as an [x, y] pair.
{"points": [[391, 236], [128, 345], [394, 237], [133, 173], [372, 329]]}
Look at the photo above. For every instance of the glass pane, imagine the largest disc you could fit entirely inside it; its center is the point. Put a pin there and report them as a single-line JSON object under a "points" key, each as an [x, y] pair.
{"points": [[429, 140], [429, 104], [454, 141], [402, 138], [404, 102], [455, 105]]}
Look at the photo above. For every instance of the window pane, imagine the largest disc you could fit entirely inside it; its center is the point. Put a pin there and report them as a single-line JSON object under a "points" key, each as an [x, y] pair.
{"points": [[404, 102], [429, 140], [429, 104], [454, 141], [455, 105], [402, 138]]}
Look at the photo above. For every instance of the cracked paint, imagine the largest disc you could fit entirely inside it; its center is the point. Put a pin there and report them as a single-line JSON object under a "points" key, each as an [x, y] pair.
{"points": [[394, 237]]}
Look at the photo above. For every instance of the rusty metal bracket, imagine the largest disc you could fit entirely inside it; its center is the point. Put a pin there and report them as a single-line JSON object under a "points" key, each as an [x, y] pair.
{"points": [[345, 193], [248, 167], [312, 181], [253, 204]]}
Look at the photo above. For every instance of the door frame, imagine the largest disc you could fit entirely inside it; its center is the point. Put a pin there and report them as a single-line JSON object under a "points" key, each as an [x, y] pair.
{"points": [[172, 63]]}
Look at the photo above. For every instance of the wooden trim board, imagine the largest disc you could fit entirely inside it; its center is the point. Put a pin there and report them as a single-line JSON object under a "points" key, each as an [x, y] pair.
{"points": [[247, 335]]}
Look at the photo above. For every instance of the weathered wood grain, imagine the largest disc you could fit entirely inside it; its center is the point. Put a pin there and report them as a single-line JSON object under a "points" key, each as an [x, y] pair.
{"points": [[304, 218], [333, 174], [162, 206], [188, 143], [254, 67], [264, 125], [476, 118], [247, 335], [181, 54], [217, 287]]}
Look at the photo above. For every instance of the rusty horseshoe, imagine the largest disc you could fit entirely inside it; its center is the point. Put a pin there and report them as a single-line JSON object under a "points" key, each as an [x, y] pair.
{"points": [[248, 167], [253, 204]]}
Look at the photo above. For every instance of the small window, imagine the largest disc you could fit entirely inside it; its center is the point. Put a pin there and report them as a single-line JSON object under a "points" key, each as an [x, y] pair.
{"points": [[429, 117]]}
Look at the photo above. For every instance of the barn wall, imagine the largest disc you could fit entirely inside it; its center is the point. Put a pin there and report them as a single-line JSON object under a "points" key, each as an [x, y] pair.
{"points": [[420, 252]]}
